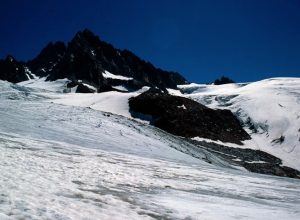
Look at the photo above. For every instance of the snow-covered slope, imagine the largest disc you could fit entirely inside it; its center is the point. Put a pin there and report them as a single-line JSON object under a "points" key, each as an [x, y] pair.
{"points": [[270, 109], [113, 102], [41, 85], [72, 162], [57, 92]]}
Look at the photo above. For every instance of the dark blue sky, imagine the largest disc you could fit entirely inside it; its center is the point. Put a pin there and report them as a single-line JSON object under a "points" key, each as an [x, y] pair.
{"points": [[246, 40]]}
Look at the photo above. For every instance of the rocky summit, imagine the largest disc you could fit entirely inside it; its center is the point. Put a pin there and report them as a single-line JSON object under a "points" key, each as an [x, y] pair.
{"points": [[88, 61], [185, 117], [13, 71]]}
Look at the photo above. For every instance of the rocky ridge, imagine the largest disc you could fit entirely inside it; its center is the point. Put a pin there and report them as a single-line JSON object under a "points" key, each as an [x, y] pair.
{"points": [[87, 60], [13, 71], [187, 118]]}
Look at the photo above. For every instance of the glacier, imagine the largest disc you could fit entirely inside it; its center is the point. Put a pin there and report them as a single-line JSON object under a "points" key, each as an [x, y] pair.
{"points": [[269, 109], [87, 160]]}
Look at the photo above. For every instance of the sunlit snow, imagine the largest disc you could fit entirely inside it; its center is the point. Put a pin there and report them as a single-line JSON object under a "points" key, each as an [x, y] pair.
{"points": [[61, 160], [271, 105], [107, 74]]}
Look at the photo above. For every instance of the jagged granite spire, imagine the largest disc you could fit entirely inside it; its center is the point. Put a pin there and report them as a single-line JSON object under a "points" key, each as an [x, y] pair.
{"points": [[13, 71], [47, 58], [86, 58]]}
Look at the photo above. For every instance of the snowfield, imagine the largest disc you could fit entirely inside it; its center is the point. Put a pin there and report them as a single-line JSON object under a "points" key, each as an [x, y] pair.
{"points": [[270, 110], [66, 160], [113, 102]]}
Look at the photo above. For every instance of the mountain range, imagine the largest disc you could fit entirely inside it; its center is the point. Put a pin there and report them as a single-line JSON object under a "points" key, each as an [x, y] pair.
{"points": [[86, 59], [88, 130]]}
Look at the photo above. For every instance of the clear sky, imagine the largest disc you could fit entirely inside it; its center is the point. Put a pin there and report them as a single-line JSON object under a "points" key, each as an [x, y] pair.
{"points": [[246, 40]]}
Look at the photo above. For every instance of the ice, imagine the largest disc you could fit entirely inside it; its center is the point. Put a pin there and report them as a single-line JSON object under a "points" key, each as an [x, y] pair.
{"points": [[60, 161], [90, 87], [107, 74], [182, 107], [93, 53], [271, 105], [113, 102], [46, 86], [55, 180], [120, 88]]}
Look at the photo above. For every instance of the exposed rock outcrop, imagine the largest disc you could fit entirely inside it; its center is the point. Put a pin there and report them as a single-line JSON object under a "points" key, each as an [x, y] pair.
{"points": [[49, 57], [223, 80], [86, 58], [253, 160], [187, 118], [12, 71]]}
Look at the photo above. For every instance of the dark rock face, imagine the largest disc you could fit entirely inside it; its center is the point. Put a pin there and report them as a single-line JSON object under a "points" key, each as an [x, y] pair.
{"points": [[86, 57], [223, 80], [48, 58], [84, 89], [187, 118], [12, 70]]}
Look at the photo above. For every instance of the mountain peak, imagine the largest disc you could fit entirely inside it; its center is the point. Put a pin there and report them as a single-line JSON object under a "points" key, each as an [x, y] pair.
{"points": [[86, 32], [11, 70], [85, 38], [87, 58], [47, 58], [10, 58]]}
